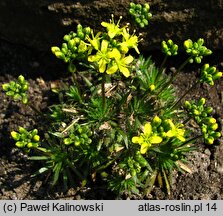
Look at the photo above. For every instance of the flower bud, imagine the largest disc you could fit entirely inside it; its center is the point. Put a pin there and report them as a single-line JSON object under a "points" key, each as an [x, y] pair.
{"points": [[36, 138], [55, 49], [156, 121], [187, 105], [188, 44], [21, 79], [15, 135], [209, 140], [201, 102], [66, 38], [22, 130], [214, 126], [216, 135], [211, 120], [20, 144], [217, 75]]}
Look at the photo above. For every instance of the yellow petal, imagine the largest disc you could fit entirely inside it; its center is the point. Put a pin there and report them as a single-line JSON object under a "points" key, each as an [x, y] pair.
{"points": [[135, 139], [144, 148], [102, 65], [147, 129], [104, 45], [112, 69], [156, 139], [124, 70], [170, 133], [105, 24], [93, 58], [127, 60], [114, 54], [181, 138]]}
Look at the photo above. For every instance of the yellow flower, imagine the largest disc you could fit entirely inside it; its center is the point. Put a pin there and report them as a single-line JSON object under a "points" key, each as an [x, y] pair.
{"points": [[130, 41], [112, 28], [119, 63], [147, 138], [175, 131], [95, 41], [101, 57]]}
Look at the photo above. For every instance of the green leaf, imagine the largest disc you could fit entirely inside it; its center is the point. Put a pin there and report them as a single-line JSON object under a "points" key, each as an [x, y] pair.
{"points": [[38, 158]]}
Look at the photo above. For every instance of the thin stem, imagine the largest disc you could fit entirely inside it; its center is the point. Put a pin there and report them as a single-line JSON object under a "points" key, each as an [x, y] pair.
{"points": [[161, 67], [185, 93], [35, 109], [186, 120], [192, 139], [103, 91], [174, 75]]}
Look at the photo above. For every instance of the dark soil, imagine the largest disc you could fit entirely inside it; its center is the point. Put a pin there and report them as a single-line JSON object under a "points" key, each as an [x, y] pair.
{"points": [[41, 70]]}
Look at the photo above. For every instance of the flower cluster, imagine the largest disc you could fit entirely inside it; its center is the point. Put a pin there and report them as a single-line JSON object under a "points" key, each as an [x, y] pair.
{"points": [[80, 135], [158, 131], [24, 138], [17, 89], [169, 48], [74, 46], [201, 115], [106, 52], [209, 74], [196, 50], [140, 13]]}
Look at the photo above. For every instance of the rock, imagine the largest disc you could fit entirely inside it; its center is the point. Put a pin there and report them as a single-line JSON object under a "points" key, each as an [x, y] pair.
{"points": [[42, 24]]}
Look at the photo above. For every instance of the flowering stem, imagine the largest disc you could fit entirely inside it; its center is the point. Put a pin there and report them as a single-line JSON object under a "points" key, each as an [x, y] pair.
{"points": [[186, 120], [192, 87], [161, 67], [103, 91], [192, 139], [35, 109], [174, 75]]}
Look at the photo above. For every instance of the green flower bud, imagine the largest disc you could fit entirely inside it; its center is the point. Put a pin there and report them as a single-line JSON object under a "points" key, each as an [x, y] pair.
{"points": [[214, 126], [66, 38], [146, 5], [187, 105], [131, 11], [196, 112], [30, 145], [200, 41], [156, 121], [23, 130], [20, 144], [24, 100], [209, 140], [138, 7], [145, 21], [208, 110], [216, 135], [67, 141], [79, 27], [138, 20], [36, 138], [5, 86], [211, 120], [59, 55], [198, 60], [15, 135], [201, 102], [10, 93], [77, 143], [55, 49], [188, 44], [21, 79], [217, 75]]}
